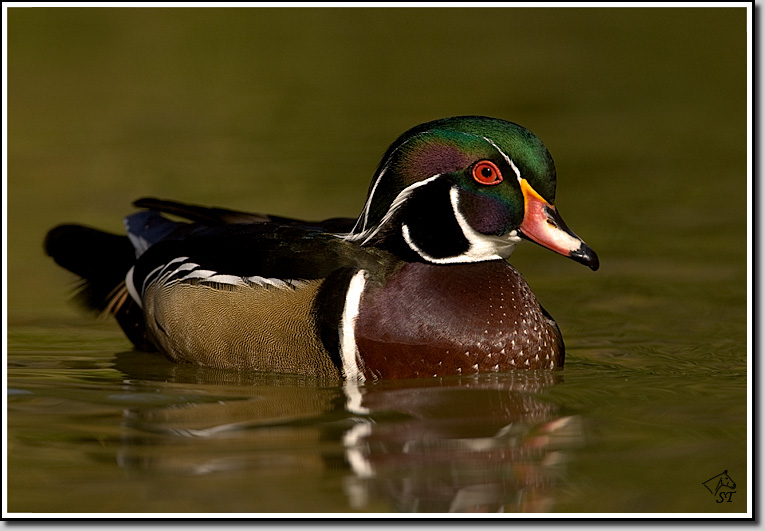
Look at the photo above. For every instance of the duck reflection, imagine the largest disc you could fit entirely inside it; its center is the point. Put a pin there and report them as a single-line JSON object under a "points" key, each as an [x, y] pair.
{"points": [[464, 444]]}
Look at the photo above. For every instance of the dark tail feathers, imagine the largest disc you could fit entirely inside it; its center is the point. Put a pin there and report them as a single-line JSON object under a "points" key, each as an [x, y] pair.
{"points": [[102, 260]]}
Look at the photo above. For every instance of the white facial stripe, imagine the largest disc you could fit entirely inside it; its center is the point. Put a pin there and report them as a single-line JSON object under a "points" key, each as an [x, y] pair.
{"points": [[516, 170], [362, 219], [349, 351], [482, 247], [490, 141], [458, 259], [507, 159], [364, 216], [397, 203], [368, 204], [413, 246]]}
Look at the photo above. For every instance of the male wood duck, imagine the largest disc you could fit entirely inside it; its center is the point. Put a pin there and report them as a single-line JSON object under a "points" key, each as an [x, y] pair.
{"points": [[416, 286]]}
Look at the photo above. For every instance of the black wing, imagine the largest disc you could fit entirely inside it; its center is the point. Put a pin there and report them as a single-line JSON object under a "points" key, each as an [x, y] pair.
{"points": [[232, 254], [223, 216]]}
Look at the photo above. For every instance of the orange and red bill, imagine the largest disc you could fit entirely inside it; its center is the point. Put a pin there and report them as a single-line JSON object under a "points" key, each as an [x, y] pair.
{"points": [[543, 225]]}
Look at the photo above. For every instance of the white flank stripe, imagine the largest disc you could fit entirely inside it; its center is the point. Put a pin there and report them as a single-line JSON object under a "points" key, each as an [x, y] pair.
{"points": [[157, 272], [274, 282], [348, 348], [226, 279], [186, 267], [199, 273], [166, 271], [149, 276], [160, 276]]}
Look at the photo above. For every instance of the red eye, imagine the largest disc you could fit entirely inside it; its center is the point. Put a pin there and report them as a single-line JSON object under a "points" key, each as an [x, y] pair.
{"points": [[486, 172]]}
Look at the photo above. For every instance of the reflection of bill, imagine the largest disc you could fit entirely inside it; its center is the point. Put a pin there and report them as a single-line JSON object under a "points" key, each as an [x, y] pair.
{"points": [[466, 445]]}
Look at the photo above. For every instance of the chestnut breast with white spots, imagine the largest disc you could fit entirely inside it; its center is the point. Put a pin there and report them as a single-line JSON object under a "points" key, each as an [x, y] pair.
{"points": [[436, 320]]}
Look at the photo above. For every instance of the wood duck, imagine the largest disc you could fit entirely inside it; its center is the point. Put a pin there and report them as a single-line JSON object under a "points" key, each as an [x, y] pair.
{"points": [[416, 286]]}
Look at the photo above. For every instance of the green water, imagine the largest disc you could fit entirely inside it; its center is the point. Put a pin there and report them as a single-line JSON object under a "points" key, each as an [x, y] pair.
{"points": [[288, 112]]}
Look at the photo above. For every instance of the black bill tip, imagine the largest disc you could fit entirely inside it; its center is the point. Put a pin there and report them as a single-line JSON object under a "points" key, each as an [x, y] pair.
{"points": [[585, 255]]}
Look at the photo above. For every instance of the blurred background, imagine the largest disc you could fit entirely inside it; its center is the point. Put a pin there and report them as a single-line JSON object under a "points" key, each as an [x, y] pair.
{"points": [[288, 111]]}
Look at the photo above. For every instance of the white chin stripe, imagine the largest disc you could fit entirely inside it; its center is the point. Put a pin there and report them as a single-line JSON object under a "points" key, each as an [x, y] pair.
{"points": [[482, 247], [349, 351]]}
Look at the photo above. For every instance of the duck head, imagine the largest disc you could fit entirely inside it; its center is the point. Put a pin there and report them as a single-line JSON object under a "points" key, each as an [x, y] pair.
{"points": [[466, 189]]}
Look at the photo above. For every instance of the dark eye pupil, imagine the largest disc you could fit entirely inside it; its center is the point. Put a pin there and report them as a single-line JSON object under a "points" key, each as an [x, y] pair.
{"points": [[486, 172]]}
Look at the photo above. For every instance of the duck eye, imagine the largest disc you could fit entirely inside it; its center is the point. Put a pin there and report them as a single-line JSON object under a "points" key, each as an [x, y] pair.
{"points": [[486, 172]]}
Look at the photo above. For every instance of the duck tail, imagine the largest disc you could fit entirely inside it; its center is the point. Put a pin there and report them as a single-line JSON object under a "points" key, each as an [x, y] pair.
{"points": [[101, 260]]}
